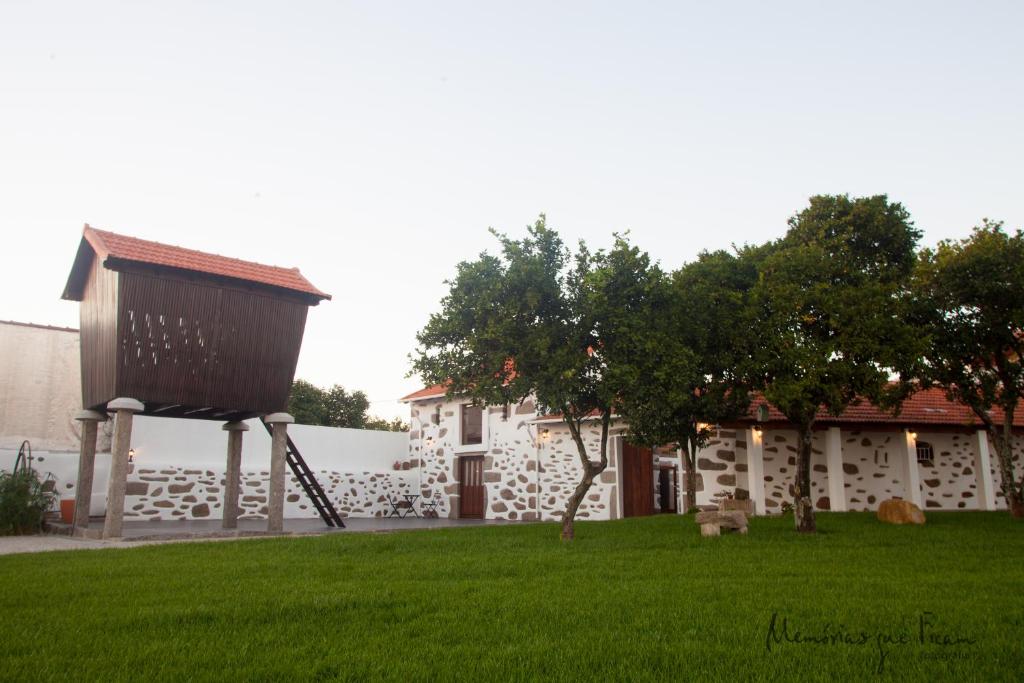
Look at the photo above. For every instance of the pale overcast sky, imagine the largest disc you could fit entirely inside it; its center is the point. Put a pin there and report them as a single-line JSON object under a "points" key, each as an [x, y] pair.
{"points": [[372, 144]]}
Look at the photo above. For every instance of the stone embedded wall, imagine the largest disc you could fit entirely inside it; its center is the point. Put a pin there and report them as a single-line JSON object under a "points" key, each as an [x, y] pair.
{"points": [[780, 449], [561, 470], [523, 476], [951, 481], [873, 466], [169, 492], [720, 467]]}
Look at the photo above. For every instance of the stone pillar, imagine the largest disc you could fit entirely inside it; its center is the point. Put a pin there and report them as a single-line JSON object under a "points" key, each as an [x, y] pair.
{"points": [[124, 409], [278, 443], [912, 481], [233, 473], [90, 420], [983, 473], [755, 469], [836, 476]]}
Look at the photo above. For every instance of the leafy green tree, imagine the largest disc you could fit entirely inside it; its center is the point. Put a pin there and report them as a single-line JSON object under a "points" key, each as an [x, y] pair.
{"points": [[346, 409], [306, 403], [690, 374], [384, 425], [334, 407], [970, 293], [540, 322], [830, 309]]}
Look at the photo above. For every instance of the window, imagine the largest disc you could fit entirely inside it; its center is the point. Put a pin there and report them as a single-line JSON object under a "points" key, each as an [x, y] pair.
{"points": [[472, 424], [925, 454]]}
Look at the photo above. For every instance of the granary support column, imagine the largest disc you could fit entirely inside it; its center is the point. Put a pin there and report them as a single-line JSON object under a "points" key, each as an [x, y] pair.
{"points": [[983, 473], [755, 469], [279, 442], [233, 473], [90, 420], [124, 410], [912, 480], [836, 476]]}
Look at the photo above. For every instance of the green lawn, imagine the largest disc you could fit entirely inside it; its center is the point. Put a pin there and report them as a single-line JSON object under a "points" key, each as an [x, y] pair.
{"points": [[635, 599]]}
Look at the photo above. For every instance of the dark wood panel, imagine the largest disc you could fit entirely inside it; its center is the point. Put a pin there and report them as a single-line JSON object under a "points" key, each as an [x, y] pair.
{"points": [[637, 481], [471, 487], [98, 336], [204, 348]]}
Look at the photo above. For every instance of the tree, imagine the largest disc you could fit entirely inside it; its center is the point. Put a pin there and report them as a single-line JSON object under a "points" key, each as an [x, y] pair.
{"points": [[539, 322], [830, 310], [334, 407], [306, 403], [970, 296], [691, 373], [381, 424]]}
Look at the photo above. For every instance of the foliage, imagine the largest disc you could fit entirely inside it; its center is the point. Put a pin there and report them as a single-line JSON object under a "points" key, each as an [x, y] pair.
{"points": [[830, 312], [384, 425], [334, 407], [23, 501], [690, 374], [540, 322], [493, 603], [969, 293]]}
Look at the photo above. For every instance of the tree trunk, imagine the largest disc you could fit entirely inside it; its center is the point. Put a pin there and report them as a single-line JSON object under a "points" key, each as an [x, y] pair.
{"points": [[568, 521], [803, 508], [1003, 442], [690, 453], [589, 470]]}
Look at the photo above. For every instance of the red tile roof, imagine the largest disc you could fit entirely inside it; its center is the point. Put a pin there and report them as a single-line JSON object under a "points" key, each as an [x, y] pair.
{"points": [[112, 245], [428, 392], [928, 406]]}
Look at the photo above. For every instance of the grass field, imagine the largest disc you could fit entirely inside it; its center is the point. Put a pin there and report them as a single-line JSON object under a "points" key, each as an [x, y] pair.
{"points": [[635, 599]]}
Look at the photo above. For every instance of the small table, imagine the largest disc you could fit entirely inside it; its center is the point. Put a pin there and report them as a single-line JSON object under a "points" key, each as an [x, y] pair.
{"points": [[410, 498]]}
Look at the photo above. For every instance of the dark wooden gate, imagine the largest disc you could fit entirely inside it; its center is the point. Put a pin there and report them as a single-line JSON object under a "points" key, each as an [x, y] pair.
{"points": [[471, 487], [637, 481]]}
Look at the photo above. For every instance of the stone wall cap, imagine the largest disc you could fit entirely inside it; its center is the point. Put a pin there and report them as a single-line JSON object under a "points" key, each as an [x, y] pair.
{"points": [[126, 404], [90, 415], [276, 418], [235, 426]]}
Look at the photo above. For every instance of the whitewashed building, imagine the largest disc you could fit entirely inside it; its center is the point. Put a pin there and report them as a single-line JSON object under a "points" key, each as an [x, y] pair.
{"points": [[512, 463]]}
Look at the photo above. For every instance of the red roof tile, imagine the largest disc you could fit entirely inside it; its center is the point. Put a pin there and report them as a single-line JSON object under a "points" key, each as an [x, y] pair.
{"points": [[428, 392], [111, 245], [928, 406]]}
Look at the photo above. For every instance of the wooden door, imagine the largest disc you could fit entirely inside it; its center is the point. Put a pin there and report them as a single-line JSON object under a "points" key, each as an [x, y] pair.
{"points": [[637, 481], [471, 487]]}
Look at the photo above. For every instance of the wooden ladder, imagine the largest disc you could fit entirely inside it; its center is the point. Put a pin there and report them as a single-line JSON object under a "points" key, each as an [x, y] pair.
{"points": [[308, 482]]}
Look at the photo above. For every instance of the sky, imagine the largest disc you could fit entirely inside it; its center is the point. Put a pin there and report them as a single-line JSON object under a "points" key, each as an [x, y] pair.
{"points": [[371, 144]]}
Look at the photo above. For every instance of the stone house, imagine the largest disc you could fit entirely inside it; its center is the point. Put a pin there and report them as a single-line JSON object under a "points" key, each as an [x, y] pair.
{"points": [[510, 462]]}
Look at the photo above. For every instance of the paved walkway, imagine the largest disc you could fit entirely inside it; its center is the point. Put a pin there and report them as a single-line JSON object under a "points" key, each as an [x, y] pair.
{"points": [[178, 531]]}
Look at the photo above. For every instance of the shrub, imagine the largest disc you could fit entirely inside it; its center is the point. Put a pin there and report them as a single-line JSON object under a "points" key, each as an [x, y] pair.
{"points": [[24, 499]]}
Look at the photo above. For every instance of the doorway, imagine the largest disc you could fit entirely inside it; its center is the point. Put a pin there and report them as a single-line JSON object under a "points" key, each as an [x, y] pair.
{"points": [[667, 488], [637, 481], [471, 487]]}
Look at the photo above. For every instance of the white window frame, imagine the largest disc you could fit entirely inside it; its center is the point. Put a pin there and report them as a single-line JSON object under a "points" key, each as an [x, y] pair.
{"points": [[484, 431]]}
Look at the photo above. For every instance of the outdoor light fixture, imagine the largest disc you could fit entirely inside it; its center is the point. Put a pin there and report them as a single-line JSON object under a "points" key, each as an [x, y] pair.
{"points": [[913, 435], [131, 455], [545, 434]]}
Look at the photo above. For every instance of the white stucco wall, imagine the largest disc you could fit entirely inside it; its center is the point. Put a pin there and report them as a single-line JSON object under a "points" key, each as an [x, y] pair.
{"points": [[40, 388]]}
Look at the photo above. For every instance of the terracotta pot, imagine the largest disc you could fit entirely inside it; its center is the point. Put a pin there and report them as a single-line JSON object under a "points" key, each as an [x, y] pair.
{"points": [[67, 510]]}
